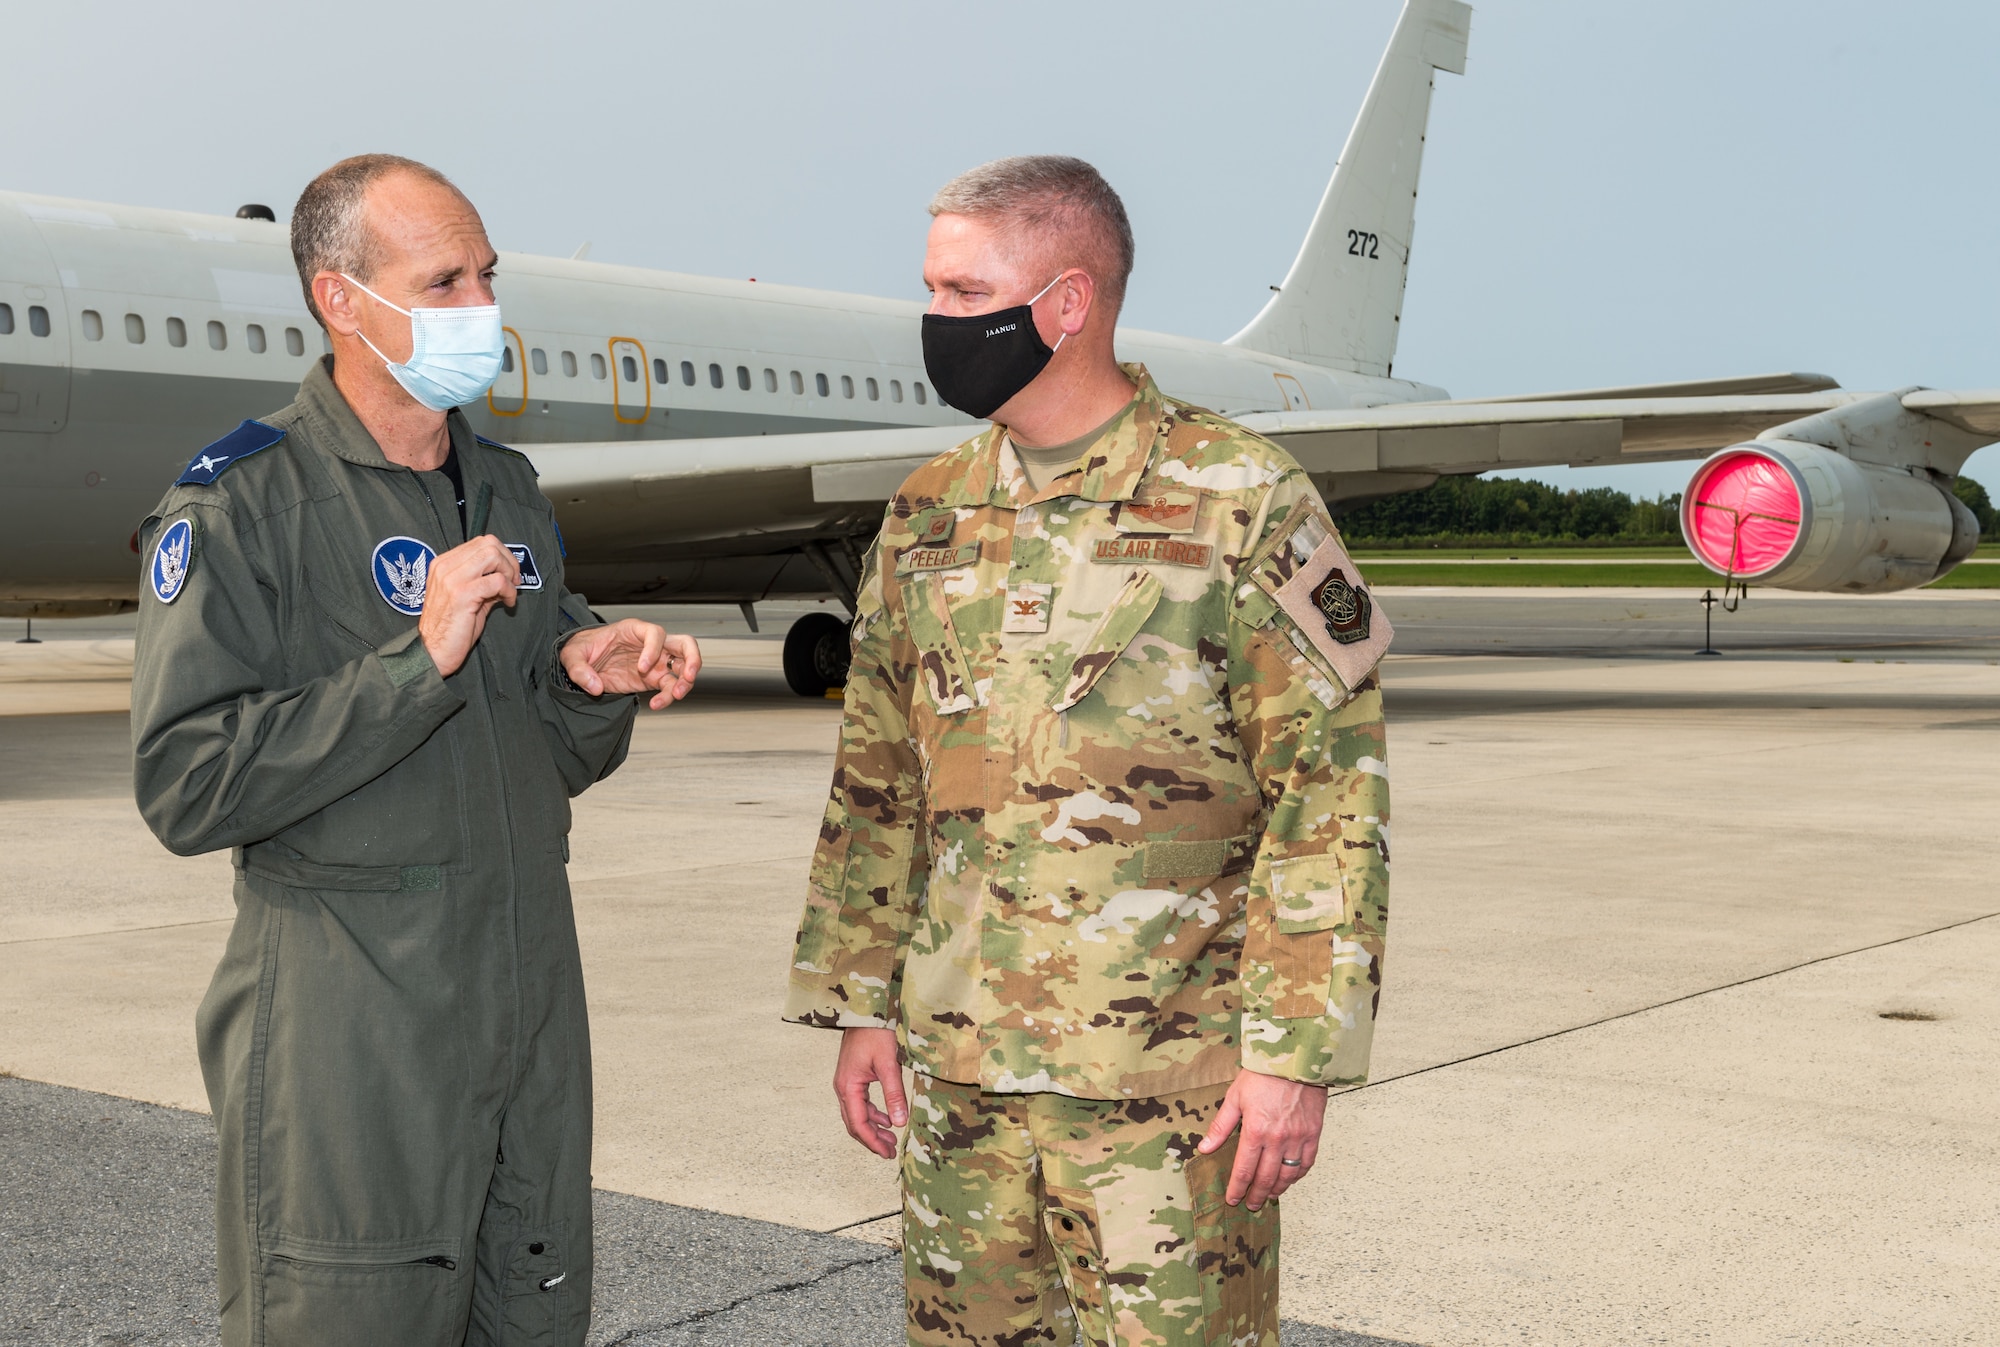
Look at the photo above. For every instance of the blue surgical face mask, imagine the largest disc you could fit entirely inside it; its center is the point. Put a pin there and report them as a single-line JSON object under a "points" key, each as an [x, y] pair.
{"points": [[454, 353]]}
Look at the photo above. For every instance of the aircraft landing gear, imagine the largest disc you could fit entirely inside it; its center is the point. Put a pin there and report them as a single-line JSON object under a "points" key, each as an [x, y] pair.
{"points": [[816, 654]]}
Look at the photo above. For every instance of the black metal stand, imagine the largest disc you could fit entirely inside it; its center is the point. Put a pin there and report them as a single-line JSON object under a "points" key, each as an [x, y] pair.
{"points": [[30, 638], [1708, 602]]}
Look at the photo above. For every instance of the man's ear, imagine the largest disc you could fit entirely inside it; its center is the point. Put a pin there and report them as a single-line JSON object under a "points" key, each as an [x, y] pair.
{"points": [[1079, 294], [335, 298]]}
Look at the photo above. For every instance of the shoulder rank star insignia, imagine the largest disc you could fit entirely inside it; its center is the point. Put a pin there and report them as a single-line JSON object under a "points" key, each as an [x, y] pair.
{"points": [[401, 567], [171, 559], [1345, 607]]}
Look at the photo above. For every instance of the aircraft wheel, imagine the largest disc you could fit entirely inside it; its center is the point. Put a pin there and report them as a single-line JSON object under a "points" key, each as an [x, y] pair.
{"points": [[816, 654]]}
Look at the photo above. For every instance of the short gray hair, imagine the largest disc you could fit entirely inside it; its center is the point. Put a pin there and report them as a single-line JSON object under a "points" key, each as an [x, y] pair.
{"points": [[329, 228], [1049, 204]]}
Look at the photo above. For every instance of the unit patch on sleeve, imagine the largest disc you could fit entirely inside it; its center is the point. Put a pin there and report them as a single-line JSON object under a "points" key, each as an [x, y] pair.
{"points": [[1332, 615], [172, 557], [531, 574], [402, 567]]}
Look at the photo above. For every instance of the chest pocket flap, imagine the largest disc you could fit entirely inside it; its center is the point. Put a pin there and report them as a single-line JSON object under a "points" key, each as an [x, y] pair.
{"points": [[941, 663], [1122, 621]]}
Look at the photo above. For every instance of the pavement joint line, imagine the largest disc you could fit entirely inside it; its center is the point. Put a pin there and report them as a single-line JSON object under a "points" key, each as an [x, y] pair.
{"points": [[1671, 1001], [699, 1316], [115, 930], [865, 1220]]}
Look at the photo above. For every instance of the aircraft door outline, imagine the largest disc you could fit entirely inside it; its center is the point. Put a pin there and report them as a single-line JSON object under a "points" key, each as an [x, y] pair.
{"points": [[35, 385], [518, 349], [1292, 392], [627, 367]]}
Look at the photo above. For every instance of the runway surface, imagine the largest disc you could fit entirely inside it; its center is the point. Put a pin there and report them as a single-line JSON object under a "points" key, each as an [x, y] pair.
{"points": [[1690, 1030]]}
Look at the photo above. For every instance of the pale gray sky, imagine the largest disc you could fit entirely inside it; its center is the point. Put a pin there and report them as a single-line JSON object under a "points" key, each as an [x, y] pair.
{"points": [[1615, 192]]}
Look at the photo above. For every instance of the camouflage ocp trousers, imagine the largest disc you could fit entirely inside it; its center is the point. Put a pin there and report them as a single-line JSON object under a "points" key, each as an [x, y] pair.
{"points": [[1026, 1216]]}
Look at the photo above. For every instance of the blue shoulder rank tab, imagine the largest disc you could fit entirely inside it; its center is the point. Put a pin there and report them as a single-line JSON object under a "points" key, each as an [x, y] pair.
{"points": [[238, 444], [495, 444]]}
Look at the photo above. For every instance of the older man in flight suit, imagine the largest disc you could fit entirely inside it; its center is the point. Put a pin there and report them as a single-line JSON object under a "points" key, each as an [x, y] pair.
{"points": [[358, 668], [1107, 844]]}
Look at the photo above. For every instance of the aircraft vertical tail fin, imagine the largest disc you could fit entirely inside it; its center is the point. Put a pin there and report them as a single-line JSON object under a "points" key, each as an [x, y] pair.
{"points": [[1341, 303]]}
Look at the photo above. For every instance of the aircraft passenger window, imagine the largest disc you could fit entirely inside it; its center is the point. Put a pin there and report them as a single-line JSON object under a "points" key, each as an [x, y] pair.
{"points": [[687, 373], [538, 360], [253, 337], [847, 385], [659, 370], [135, 329], [93, 325], [770, 381], [6, 320], [218, 336], [715, 376], [919, 386], [798, 383], [506, 360], [874, 391], [569, 364], [743, 377], [38, 320], [819, 382], [895, 390], [629, 366], [596, 365], [177, 332], [295, 341]]}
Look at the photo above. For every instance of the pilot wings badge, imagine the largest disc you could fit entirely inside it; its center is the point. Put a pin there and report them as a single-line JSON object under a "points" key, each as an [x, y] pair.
{"points": [[402, 567], [171, 559]]}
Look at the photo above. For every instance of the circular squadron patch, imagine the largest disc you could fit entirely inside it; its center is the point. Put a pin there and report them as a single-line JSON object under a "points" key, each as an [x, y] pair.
{"points": [[1345, 607], [402, 567], [171, 559]]}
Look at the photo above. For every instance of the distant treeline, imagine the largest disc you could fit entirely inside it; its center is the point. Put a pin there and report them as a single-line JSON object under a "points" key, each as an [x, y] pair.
{"points": [[1495, 512]]}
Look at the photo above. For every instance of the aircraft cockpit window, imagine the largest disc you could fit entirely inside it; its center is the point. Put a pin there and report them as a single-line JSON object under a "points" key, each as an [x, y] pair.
{"points": [[569, 364], [798, 383], [177, 332], [819, 382], [135, 329], [687, 373], [538, 360], [743, 377], [660, 371], [629, 367], [218, 336], [918, 385], [38, 320], [847, 385], [295, 341], [895, 390], [597, 367], [770, 381], [7, 320], [93, 325], [253, 337], [506, 360], [874, 391], [715, 376]]}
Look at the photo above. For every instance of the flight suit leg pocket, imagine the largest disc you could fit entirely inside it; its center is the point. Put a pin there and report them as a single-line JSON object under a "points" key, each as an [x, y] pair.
{"points": [[537, 1293], [1236, 1256], [311, 1302], [1069, 1216]]}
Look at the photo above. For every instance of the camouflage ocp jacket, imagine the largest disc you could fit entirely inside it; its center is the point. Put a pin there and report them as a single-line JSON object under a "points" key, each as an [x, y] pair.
{"points": [[1110, 811]]}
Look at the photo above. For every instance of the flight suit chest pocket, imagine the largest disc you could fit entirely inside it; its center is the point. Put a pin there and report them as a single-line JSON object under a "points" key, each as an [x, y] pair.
{"points": [[1123, 620], [941, 663]]}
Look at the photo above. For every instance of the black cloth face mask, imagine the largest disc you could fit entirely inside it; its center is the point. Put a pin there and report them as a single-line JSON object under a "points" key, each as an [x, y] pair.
{"points": [[977, 363]]}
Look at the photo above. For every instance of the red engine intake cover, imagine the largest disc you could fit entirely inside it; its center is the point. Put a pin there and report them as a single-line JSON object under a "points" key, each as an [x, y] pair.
{"points": [[1745, 514]]}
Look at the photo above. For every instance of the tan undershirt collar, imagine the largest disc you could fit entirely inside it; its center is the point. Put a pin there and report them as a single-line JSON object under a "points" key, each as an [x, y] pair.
{"points": [[1042, 466]]}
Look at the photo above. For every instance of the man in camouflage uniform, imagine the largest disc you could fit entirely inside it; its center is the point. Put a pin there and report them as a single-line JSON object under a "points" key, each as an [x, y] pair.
{"points": [[1106, 851]]}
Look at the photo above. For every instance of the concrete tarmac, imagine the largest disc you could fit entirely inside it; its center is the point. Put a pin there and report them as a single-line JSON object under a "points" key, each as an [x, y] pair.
{"points": [[1690, 1030]]}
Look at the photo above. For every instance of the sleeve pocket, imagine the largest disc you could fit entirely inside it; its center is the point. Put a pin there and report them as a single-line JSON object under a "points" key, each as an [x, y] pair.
{"points": [[1309, 894]]}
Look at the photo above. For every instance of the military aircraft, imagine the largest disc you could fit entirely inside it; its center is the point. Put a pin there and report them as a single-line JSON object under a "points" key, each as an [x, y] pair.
{"points": [[730, 442]]}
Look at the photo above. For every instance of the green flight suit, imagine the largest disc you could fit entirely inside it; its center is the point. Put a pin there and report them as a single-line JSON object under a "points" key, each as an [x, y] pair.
{"points": [[394, 1043]]}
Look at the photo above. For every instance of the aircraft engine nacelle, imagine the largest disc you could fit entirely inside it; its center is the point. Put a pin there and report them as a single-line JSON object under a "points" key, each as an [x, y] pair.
{"points": [[1799, 516]]}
